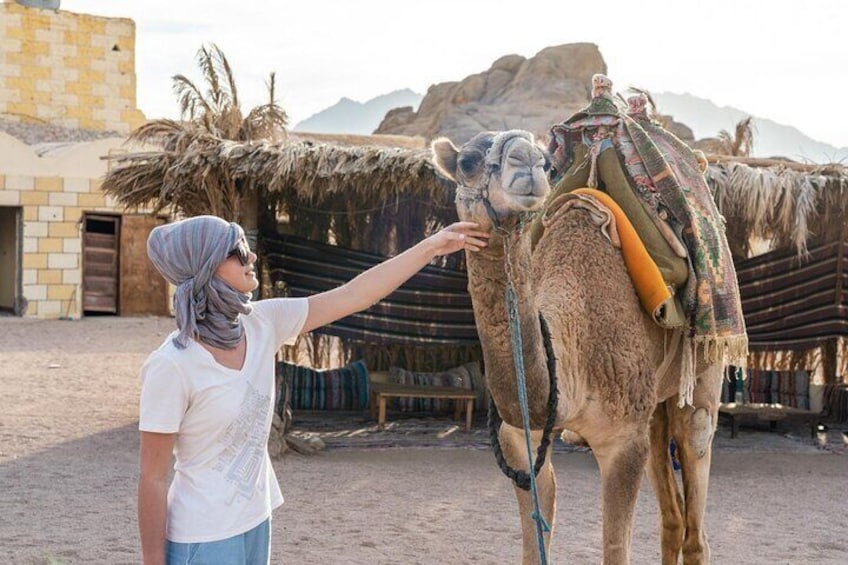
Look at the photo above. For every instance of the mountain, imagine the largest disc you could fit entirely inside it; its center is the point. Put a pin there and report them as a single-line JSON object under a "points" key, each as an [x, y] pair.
{"points": [[704, 117], [771, 139], [350, 116], [514, 92]]}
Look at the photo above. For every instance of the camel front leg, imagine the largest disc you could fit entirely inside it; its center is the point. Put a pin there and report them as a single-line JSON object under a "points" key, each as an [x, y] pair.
{"points": [[693, 428], [515, 453], [622, 465], [665, 486]]}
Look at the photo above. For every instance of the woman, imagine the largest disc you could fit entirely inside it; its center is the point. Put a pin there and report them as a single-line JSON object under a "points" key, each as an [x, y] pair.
{"points": [[208, 392]]}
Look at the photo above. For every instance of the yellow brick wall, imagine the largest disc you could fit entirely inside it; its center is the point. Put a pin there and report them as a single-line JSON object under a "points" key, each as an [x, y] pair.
{"points": [[72, 70], [52, 246]]}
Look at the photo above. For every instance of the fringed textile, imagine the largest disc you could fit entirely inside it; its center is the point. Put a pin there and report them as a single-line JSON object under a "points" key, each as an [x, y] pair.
{"points": [[665, 174]]}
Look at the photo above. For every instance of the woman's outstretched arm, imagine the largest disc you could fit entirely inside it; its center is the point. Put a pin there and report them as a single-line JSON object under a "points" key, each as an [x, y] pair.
{"points": [[381, 280]]}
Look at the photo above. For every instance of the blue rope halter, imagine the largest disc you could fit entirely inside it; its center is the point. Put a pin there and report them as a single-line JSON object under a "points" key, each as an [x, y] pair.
{"points": [[471, 195]]}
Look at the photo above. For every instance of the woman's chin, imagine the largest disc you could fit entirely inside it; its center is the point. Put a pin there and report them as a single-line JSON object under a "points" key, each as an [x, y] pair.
{"points": [[249, 286]]}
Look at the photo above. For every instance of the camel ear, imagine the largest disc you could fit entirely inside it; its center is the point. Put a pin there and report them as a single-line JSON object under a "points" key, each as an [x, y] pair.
{"points": [[444, 156]]}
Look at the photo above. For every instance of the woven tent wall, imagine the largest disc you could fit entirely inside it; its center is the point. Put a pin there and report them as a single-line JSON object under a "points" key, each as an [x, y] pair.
{"points": [[374, 200], [793, 295]]}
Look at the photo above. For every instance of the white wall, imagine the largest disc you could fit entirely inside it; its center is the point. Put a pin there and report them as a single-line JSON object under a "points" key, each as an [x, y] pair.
{"points": [[75, 160]]}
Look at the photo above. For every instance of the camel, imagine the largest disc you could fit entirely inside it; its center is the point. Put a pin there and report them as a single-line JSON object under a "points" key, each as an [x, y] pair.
{"points": [[607, 351]]}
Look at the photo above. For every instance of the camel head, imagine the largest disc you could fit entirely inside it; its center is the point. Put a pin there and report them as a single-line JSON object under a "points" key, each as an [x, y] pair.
{"points": [[500, 177]]}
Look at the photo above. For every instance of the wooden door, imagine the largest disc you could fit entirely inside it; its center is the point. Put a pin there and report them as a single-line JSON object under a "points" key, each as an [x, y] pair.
{"points": [[100, 263], [10, 261], [143, 290]]}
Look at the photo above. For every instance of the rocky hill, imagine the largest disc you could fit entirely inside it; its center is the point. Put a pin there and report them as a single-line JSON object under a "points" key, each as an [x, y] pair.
{"points": [[515, 92]]}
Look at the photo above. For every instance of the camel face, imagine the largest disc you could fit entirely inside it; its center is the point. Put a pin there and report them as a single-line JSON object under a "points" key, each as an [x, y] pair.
{"points": [[521, 178], [508, 169]]}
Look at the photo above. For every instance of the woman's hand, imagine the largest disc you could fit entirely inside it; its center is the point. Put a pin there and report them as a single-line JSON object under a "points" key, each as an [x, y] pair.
{"points": [[459, 235]]}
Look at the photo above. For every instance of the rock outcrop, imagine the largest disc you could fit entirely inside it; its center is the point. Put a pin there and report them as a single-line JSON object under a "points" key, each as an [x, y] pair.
{"points": [[516, 92]]}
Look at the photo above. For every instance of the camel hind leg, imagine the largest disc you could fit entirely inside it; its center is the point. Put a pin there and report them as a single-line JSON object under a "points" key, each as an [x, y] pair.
{"points": [[693, 428], [665, 486], [515, 453], [622, 464]]}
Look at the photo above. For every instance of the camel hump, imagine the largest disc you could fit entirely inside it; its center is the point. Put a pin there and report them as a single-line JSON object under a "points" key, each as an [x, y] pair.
{"points": [[654, 294]]}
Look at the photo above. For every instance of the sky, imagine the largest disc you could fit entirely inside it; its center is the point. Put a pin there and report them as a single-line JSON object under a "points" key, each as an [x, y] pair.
{"points": [[785, 60]]}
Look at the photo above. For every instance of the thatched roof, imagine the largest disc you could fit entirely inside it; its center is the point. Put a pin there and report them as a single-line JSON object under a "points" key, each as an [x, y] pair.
{"points": [[311, 171], [366, 197], [785, 203], [788, 204]]}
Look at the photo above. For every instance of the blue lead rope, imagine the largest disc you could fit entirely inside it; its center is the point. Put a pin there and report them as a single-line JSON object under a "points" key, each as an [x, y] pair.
{"points": [[518, 357]]}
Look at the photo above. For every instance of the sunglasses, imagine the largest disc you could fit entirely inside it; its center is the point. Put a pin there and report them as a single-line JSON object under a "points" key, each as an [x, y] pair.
{"points": [[241, 251]]}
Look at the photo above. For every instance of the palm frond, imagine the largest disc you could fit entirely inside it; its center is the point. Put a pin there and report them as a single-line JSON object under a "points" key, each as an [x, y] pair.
{"points": [[268, 121], [723, 144], [271, 85], [738, 144], [743, 139], [191, 100], [224, 69], [158, 132], [206, 62]]}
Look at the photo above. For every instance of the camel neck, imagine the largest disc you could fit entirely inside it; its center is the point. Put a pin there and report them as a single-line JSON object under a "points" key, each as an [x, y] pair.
{"points": [[491, 270], [487, 282]]}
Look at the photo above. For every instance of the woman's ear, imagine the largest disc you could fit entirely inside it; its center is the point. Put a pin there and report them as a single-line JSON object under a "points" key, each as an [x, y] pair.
{"points": [[444, 157]]}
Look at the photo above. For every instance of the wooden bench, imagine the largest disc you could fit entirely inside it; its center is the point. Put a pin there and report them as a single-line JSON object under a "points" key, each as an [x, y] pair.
{"points": [[380, 392], [772, 413]]}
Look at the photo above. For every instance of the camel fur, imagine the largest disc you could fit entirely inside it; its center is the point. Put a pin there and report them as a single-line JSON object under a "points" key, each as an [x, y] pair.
{"points": [[607, 351]]}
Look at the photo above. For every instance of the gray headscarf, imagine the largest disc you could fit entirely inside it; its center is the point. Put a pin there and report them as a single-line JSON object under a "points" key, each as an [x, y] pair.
{"points": [[187, 253]]}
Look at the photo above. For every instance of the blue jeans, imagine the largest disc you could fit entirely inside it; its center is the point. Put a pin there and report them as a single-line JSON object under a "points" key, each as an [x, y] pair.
{"points": [[250, 548]]}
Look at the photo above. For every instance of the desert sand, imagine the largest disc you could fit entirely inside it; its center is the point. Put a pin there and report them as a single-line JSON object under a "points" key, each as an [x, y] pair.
{"points": [[420, 492]]}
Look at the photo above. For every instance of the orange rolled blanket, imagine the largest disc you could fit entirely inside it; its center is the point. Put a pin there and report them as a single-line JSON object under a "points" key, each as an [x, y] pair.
{"points": [[650, 286]]}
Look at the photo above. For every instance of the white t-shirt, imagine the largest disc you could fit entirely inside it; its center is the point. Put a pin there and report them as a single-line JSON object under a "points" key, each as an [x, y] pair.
{"points": [[224, 484]]}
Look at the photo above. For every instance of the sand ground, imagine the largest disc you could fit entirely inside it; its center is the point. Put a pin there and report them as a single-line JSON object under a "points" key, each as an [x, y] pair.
{"points": [[68, 467]]}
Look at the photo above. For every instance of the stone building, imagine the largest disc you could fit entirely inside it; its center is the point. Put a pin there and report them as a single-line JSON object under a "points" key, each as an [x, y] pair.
{"points": [[72, 70], [67, 99]]}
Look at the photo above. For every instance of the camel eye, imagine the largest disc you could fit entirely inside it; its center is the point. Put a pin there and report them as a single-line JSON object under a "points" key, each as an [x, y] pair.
{"points": [[467, 163]]}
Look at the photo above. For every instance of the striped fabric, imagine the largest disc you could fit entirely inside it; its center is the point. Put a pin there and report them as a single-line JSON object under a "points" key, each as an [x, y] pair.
{"points": [[456, 377], [793, 303], [433, 308], [345, 388], [789, 388]]}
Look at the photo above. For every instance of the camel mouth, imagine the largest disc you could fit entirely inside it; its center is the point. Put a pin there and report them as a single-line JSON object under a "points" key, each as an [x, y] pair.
{"points": [[528, 195], [526, 202], [528, 185]]}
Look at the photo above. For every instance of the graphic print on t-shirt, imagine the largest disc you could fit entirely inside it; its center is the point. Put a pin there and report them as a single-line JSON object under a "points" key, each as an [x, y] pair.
{"points": [[241, 460]]}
